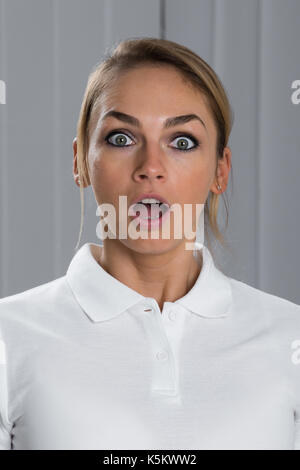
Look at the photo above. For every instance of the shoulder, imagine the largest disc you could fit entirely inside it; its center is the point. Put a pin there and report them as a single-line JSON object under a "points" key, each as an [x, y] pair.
{"points": [[260, 298], [34, 302], [278, 312], [276, 320]]}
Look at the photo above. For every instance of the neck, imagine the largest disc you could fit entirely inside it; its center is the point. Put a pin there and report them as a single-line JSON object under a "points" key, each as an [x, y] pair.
{"points": [[165, 276]]}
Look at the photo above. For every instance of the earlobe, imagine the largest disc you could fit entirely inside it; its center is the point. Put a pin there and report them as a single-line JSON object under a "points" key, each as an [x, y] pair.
{"points": [[76, 178], [216, 187], [77, 181]]}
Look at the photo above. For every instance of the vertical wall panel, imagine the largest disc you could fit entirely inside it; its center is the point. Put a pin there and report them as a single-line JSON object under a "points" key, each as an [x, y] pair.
{"points": [[3, 186], [236, 60], [280, 150], [193, 25], [3, 190], [27, 247], [132, 18]]}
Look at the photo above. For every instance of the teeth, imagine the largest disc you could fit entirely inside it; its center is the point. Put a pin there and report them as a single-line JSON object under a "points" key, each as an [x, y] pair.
{"points": [[164, 206], [150, 201]]}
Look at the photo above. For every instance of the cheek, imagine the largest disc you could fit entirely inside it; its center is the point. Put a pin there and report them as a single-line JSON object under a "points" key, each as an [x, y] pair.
{"points": [[102, 171], [194, 186], [108, 164], [108, 179]]}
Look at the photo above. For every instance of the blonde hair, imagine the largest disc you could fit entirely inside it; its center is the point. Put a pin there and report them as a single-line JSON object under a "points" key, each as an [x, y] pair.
{"points": [[133, 53]]}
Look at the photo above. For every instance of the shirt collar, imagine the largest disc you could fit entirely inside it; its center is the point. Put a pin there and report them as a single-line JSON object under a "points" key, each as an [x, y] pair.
{"points": [[103, 297]]}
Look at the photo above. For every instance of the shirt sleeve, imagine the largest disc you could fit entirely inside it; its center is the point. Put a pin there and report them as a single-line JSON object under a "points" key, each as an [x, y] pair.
{"points": [[5, 425]]}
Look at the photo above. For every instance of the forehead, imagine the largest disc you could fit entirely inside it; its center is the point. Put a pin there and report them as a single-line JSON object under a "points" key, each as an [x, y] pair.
{"points": [[153, 94]]}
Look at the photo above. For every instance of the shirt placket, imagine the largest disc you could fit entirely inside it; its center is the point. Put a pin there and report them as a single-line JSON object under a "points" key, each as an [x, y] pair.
{"points": [[165, 330]]}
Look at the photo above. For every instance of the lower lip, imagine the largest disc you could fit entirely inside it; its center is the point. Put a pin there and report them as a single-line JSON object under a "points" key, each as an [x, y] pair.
{"points": [[152, 223]]}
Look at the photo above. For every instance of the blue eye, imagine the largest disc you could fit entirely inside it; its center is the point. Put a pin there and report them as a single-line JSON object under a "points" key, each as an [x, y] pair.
{"points": [[183, 138], [121, 139]]}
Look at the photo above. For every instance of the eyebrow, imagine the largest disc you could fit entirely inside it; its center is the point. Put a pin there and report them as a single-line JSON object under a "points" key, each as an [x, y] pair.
{"points": [[170, 122]]}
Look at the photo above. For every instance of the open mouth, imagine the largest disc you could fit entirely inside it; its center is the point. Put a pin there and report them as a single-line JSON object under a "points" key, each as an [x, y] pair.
{"points": [[155, 211]]}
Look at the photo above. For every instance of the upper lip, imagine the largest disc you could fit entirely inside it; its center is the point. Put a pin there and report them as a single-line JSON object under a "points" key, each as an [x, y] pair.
{"points": [[150, 195]]}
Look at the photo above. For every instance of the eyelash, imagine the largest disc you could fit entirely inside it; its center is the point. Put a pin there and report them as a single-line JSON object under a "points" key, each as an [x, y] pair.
{"points": [[193, 139]]}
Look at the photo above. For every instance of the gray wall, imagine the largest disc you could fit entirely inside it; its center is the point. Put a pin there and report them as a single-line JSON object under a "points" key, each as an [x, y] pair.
{"points": [[47, 50]]}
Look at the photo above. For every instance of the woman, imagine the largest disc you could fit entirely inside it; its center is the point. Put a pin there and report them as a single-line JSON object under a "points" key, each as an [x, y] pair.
{"points": [[142, 345]]}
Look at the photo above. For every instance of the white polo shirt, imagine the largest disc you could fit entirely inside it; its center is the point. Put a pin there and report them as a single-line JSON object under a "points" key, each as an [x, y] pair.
{"points": [[89, 363]]}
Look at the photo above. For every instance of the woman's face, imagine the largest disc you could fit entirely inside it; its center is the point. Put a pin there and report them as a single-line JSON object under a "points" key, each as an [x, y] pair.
{"points": [[151, 157]]}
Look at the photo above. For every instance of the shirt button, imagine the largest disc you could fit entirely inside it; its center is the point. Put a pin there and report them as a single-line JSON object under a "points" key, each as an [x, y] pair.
{"points": [[148, 309], [172, 315], [162, 355]]}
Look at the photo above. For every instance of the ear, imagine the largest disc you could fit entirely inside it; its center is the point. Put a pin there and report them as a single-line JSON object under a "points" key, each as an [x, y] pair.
{"points": [[222, 172], [75, 169]]}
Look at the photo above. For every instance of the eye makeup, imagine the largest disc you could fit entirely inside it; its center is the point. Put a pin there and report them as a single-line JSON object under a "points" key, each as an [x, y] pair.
{"points": [[173, 137]]}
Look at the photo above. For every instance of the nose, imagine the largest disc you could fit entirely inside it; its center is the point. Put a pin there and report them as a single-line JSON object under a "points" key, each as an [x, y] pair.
{"points": [[150, 164]]}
